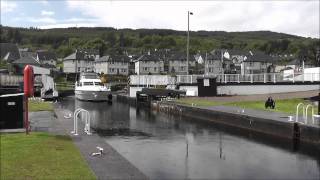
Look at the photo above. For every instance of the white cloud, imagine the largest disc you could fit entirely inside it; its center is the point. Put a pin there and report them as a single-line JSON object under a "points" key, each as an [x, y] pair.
{"points": [[66, 25], [47, 13], [293, 17], [42, 20], [80, 20], [7, 6], [44, 2]]}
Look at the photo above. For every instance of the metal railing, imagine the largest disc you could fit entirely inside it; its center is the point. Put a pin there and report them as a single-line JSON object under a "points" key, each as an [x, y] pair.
{"points": [[10, 80], [305, 109], [148, 80]]}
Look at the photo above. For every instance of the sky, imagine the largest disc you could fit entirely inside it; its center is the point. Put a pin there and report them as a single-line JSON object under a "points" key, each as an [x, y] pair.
{"points": [[287, 16]]}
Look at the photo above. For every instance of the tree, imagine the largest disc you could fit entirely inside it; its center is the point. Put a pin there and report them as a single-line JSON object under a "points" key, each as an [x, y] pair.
{"points": [[10, 35], [121, 40], [111, 38]]}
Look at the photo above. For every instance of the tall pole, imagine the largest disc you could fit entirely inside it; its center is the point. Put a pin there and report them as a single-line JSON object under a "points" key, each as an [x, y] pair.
{"points": [[188, 46]]}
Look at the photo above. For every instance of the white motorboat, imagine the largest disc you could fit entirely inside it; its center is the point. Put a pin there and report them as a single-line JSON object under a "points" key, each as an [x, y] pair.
{"points": [[90, 88]]}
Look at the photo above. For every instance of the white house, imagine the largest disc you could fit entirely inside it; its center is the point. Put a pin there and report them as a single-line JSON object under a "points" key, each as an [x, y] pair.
{"points": [[80, 61], [112, 64], [46, 57], [149, 64], [178, 63]]}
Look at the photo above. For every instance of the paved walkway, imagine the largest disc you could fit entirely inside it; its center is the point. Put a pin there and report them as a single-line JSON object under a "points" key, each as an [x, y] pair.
{"points": [[257, 97], [111, 165], [277, 116]]}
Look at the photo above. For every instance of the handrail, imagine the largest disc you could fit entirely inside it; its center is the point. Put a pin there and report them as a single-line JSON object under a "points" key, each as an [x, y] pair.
{"points": [[312, 113], [297, 111], [87, 121]]}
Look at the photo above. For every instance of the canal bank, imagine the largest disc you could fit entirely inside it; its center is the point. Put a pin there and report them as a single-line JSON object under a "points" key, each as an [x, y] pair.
{"points": [[110, 165], [274, 124]]}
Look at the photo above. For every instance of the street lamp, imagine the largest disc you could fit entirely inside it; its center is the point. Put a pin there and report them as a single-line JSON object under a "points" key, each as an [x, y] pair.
{"points": [[189, 13]]}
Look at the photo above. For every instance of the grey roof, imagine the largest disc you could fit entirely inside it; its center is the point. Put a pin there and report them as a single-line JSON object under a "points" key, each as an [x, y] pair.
{"points": [[78, 56], [27, 53], [234, 52], [119, 58], [88, 51], [26, 60], [48, 66], [70, 57], [147, 57], [179, 56], [114, 58], [10, 48], [46, 55], [103, 59], [258, 56]]}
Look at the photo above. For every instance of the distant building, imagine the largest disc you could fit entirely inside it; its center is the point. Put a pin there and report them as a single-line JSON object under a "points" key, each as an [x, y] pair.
{"points": [[19, 64], [258, 62], [114, 64], [149, 64], [178, 63], [245, 62], [80, 61], [46, 57], [9, 52], [213, 64]]}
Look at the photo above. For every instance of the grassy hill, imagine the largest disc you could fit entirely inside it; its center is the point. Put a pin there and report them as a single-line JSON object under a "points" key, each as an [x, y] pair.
{"points": [[109, 40]]}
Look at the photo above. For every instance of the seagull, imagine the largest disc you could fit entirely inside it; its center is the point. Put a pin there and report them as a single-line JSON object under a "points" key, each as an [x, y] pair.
{"points": [[98, 153], [68, 116]]}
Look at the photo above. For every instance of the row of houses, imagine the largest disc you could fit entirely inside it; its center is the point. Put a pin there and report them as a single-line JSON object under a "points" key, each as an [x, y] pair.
{"points": [[165, 61], [18, 58], [218, 61]]}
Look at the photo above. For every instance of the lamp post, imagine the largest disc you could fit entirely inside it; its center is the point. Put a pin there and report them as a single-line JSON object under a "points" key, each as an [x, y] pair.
{"points": [[189, 13]]}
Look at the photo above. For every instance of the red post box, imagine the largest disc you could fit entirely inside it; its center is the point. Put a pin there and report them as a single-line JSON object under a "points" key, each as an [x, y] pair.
{"points": [[28, 79], [28, 86]]}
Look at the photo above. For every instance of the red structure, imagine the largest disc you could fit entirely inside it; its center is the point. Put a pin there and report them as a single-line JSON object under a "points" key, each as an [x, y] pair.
{"points": [[28, 85]]}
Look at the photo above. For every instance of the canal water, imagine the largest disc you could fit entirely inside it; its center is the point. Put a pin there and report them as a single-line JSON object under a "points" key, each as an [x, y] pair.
{"points": [[164, 146]]}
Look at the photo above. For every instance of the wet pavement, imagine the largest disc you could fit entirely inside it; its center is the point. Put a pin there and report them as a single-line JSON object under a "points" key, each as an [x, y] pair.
{"points": [[171, 147]]}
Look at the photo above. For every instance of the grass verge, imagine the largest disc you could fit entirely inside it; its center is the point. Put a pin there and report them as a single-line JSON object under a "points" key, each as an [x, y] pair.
{"points": [[41, 156], [284, 106], [39, 106]]}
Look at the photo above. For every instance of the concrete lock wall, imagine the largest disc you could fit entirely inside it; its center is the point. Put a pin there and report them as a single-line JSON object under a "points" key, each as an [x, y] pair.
{"points": [[309, 134], [263, 89]]}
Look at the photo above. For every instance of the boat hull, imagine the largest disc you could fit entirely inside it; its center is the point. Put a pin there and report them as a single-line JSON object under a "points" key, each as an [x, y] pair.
{"points": [[93, 95]]}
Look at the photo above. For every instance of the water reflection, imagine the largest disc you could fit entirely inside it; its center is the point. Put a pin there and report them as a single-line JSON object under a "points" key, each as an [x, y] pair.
{"points": [[168, 147]]}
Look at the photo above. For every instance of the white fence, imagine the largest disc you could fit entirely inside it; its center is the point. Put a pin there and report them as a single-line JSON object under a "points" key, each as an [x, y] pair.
{"points": [[10, 80], [148, 80]]}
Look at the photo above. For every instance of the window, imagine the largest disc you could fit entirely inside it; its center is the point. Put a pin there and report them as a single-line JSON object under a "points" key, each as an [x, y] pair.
{"points": [[78, 69], [155, 69], [146, 69], [87, 83], [98, 84]]}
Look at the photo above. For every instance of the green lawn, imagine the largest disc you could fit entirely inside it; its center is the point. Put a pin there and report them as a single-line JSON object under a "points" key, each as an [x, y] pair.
{"points": [[41, 156], [39, 106], [198, 102], [285, 106]]}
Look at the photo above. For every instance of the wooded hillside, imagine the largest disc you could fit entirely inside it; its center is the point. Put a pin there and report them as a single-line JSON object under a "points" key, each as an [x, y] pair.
{"points": [[117, 41]]}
